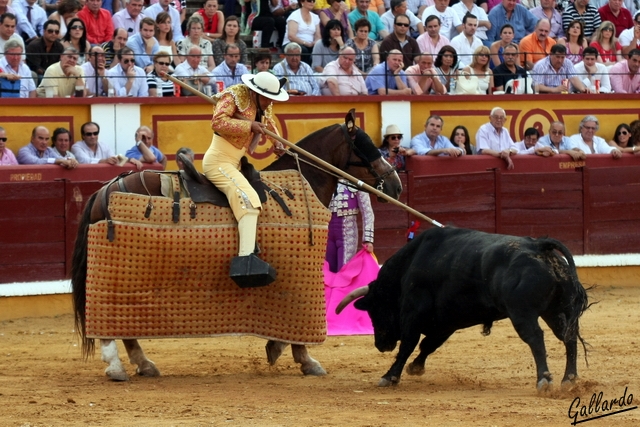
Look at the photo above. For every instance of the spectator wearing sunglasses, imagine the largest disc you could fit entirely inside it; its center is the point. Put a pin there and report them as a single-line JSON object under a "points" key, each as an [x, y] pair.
{"points": [[157, 79], [45, 51], [622, 139], [126, 78], [391, 149], [6, 155], [400, 40], [91, 152]]}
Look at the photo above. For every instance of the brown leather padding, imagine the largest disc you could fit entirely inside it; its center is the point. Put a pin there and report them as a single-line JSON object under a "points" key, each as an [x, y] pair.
{"points": [[159, 279]]}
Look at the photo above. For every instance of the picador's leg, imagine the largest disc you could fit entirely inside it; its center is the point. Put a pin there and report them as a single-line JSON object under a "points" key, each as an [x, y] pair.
{"points": [[247, 270], [146, 367], [115, 370], [309, 366]]}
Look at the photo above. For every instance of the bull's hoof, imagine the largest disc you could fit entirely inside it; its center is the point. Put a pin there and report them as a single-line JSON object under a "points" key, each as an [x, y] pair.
{"points": [[116, 374], [414, 369], [386, 382], [274, 351], [148, 369], [544, 385], [316, 370]]}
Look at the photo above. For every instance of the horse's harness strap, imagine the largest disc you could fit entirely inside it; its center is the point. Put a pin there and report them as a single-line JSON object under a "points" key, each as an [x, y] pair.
{"points": [[104, 199], [306, 199], [175, 180]]}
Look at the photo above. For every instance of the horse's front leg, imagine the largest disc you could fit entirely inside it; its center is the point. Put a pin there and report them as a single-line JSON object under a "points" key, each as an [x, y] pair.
{"points": [[146, 367], [274, 350], [115, 370], [309, 366]]}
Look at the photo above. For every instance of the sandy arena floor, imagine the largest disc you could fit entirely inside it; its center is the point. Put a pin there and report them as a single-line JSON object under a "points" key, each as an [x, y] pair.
{"points": [[471, 381]]}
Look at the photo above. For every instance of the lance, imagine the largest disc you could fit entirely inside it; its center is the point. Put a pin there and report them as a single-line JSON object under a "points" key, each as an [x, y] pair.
{"points": [[318, 160]]}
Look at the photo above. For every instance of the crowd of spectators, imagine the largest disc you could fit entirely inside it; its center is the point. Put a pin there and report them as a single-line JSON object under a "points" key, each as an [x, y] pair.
{"points": [[493, 139], [484, 47], [58, 148]]}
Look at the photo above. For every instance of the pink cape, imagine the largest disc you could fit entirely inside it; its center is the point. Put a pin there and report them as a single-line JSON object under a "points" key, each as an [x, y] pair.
{"points": [[361, 270]]}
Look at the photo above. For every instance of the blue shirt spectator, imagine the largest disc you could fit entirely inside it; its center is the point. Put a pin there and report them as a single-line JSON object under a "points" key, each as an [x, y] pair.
{"points": [[119, 76], [521, 19], [378, 29], [382, 79], [422, 144], [229, 76], [138, 46]]}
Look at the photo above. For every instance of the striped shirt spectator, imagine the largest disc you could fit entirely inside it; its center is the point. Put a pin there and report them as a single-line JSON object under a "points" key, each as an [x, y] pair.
{"points": [[590, 18]]}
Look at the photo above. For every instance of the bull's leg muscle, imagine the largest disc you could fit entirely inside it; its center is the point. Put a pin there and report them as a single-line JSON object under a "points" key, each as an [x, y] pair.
{"points": [[530, 332], [146, 367], [115, 370]]}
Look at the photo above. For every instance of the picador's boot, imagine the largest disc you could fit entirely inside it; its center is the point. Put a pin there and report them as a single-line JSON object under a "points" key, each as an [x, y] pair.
{"points": [[247, 270]]}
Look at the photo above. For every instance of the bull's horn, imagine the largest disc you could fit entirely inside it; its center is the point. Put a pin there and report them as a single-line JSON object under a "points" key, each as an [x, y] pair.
{"points": [[353, 295]]}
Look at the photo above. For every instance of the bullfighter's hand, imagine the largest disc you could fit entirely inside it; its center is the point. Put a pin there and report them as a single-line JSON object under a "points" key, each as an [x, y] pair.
{"points": [[368, 246], [257, 127], [278, 148]]}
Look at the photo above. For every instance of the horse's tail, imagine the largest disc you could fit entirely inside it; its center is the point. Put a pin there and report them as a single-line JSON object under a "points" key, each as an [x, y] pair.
{"points": [[79, 277]]}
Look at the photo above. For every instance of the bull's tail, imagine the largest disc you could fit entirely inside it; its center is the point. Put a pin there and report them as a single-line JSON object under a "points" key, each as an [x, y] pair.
{"points": [[575, 294], [79, 277]]}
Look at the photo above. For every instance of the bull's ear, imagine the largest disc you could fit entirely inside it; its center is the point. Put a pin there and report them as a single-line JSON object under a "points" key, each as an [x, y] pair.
{"points": [[361, 304]]}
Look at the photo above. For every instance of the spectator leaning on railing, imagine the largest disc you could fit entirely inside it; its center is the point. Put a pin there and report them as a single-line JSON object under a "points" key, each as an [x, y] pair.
{"points": [[341, 77], [555, 142], [6, 155], [38, 151], [549, 73], [195, 75], [625, 75], [432, 143], [594, 75], [508, 70], [423, 77], [15, 72], [301, 80], [62, 78], [126, 78], [388, 78], [587, 141], [494, 140]]}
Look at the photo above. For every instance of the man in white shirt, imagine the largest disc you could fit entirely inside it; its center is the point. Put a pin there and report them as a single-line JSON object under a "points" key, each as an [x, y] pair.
{"points": [[630, 38], [130, 17], [587, 141], [96, 61], [493, 139], [12, 68], [466, 42], [90, 151], [36, 16], [126, 78], [7, 31], [163, 6], [590, 71], [341, 77], [451, 24], [468, 6], [198, 74]]}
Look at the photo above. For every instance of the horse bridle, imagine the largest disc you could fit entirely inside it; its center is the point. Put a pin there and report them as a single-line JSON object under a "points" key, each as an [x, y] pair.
{"points": [[364, 161]]}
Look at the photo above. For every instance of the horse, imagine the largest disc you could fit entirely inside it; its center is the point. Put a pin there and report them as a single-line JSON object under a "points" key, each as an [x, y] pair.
{"points": [[344, 146]]}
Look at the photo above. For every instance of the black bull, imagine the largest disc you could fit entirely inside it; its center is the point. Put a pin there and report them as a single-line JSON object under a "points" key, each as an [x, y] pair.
{"points": [[450, 278]]}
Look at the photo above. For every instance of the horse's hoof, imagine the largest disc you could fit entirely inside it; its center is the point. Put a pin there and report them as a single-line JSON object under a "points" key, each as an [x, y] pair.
{"points": [[569, 383], [274, 351], [116, 375], [544, 385], [316, 371], [384, 382], [148, 370], [414, 369]]}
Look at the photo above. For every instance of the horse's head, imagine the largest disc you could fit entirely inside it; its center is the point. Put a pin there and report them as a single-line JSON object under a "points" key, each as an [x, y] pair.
{"points": [[366, 163]]}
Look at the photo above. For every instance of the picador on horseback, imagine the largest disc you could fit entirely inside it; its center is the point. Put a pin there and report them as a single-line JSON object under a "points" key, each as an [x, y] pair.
{"points": [[239, 119]]}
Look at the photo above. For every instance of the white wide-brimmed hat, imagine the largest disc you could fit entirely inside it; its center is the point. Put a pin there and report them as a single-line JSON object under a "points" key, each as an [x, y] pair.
{"points": [[267, 85], [392, 130]]}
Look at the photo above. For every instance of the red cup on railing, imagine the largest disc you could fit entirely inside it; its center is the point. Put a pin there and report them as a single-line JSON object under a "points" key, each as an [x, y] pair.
{"points": [[597, 83], [176, 90], [516, 84], [220, 86], [565, 85]]}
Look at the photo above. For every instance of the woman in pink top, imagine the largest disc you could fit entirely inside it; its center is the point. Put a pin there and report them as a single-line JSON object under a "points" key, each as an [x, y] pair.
{"points": [[606, 43], [6, 155], [575, 41]]}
